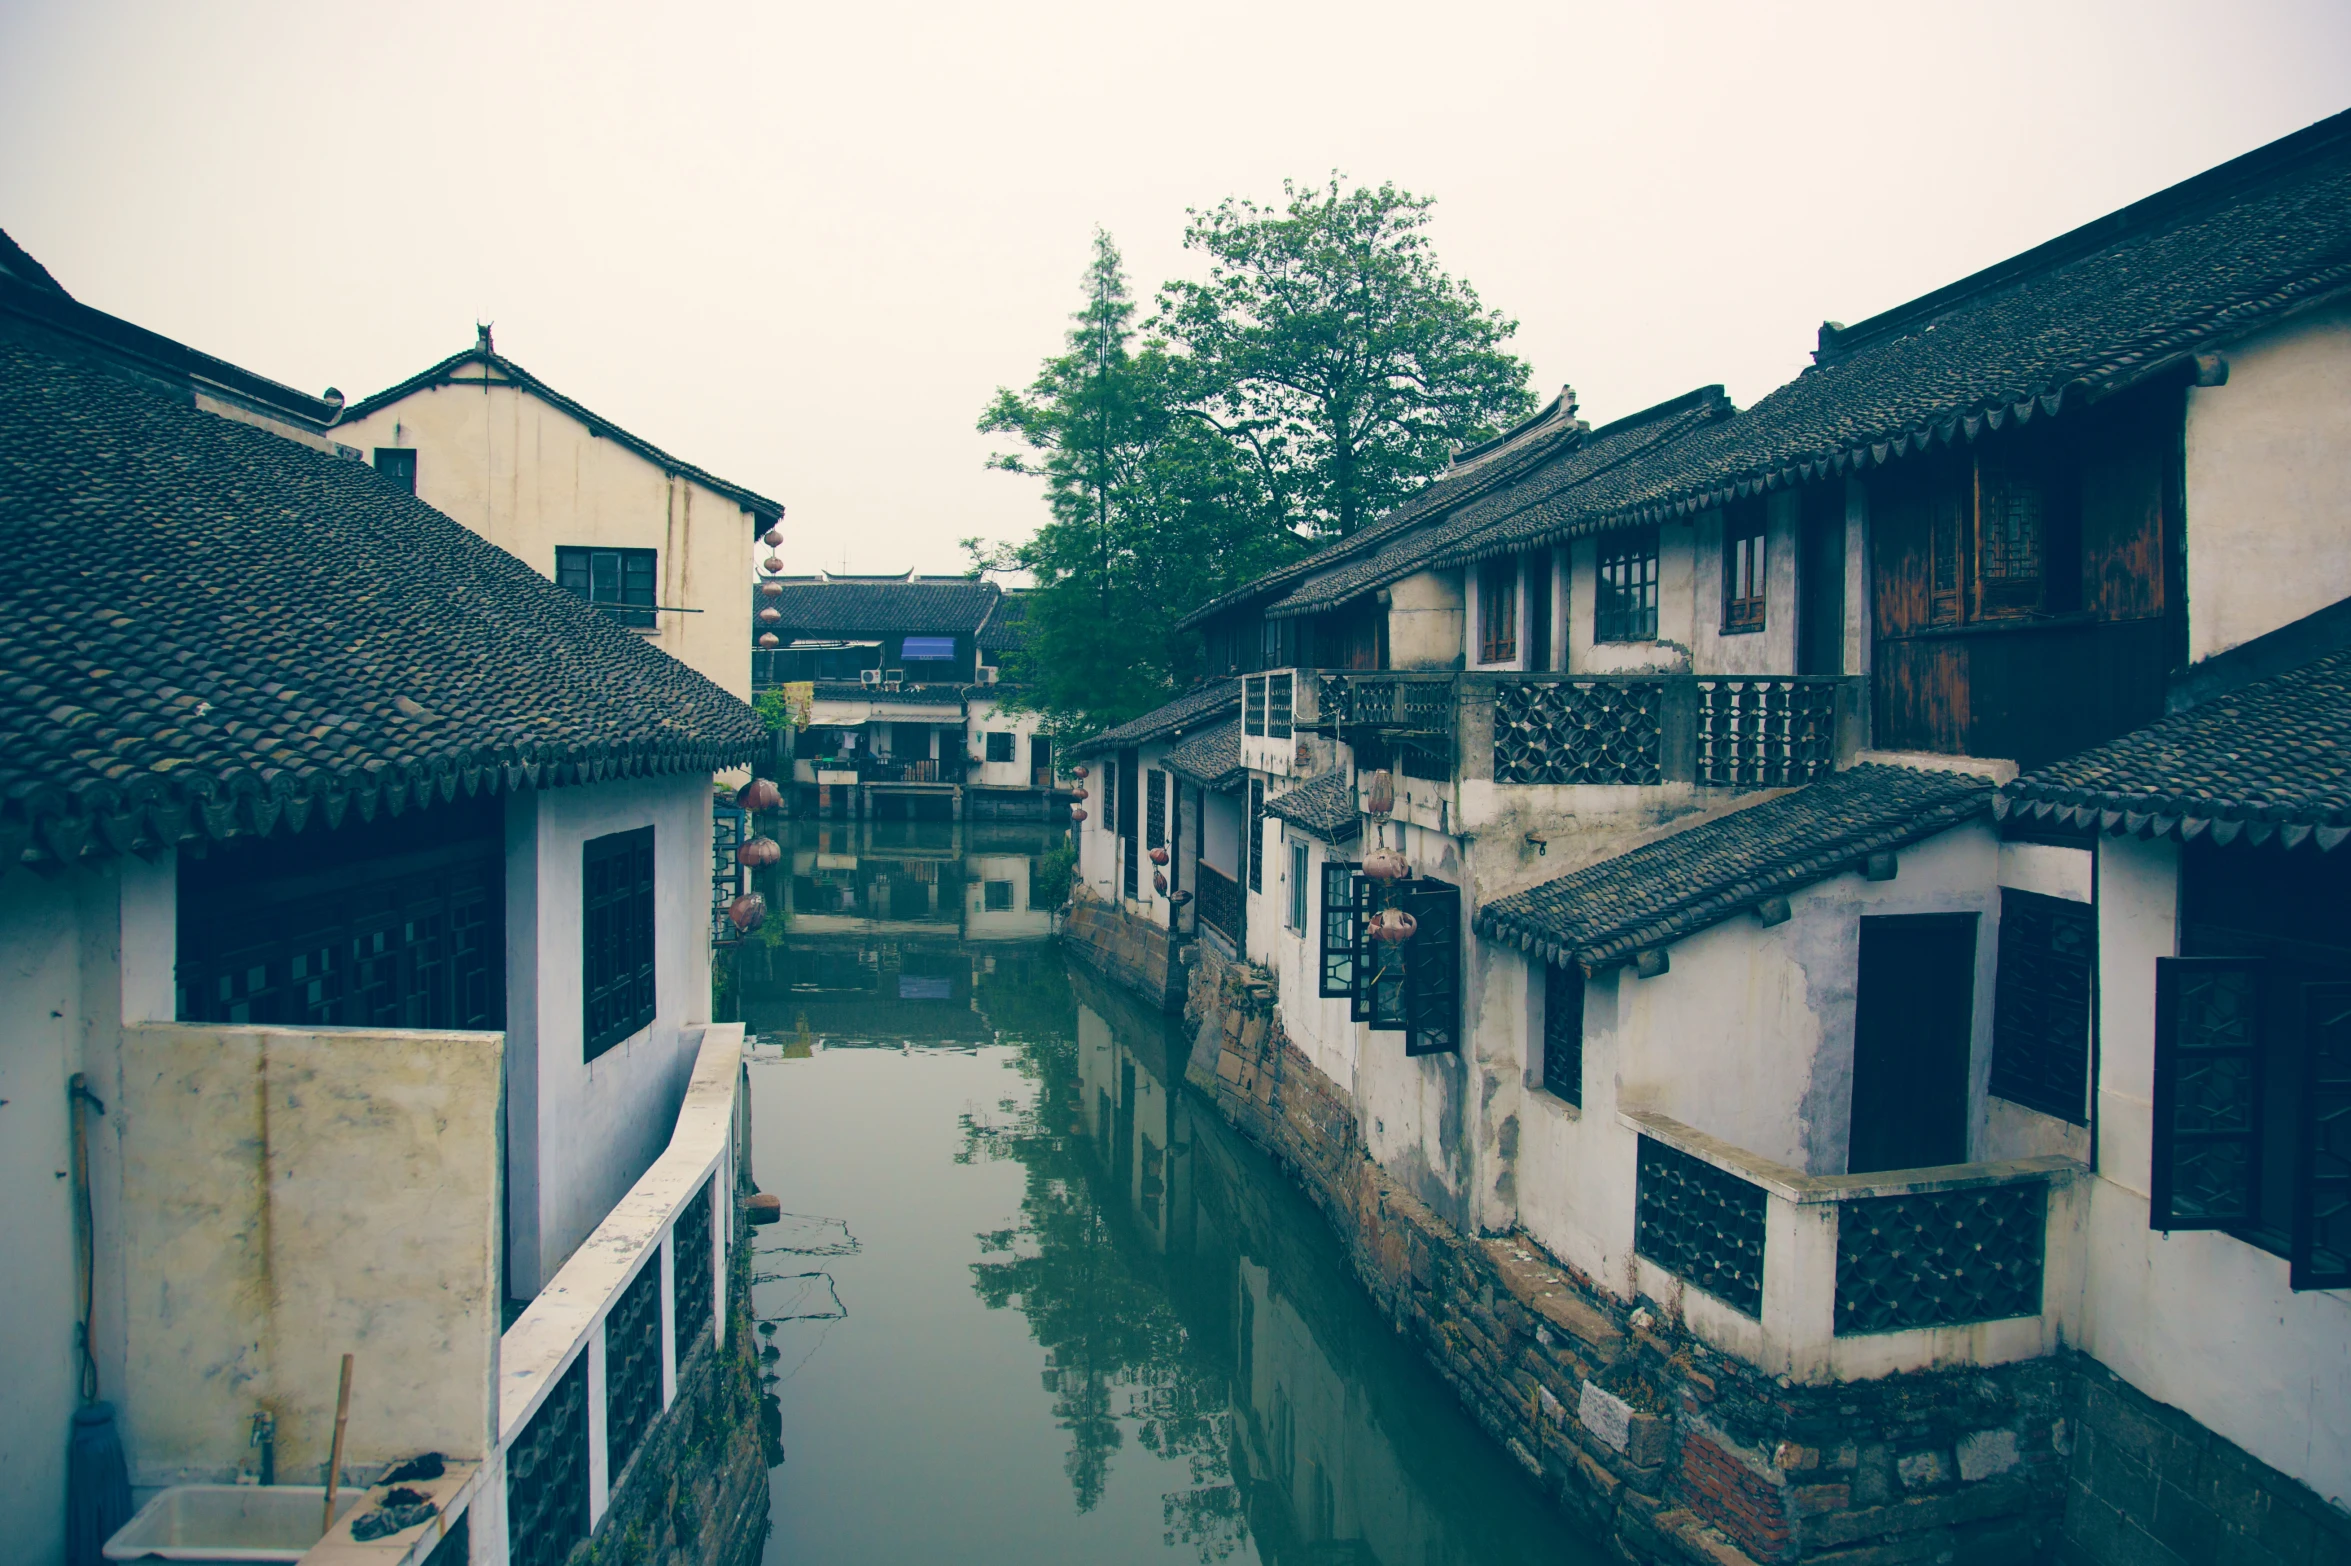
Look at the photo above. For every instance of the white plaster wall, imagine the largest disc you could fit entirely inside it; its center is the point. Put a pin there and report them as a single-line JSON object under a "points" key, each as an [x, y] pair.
{"points": [[528, 477], [1220, 835], [1771, 650], [2203, 1321], [1020, 921], [1677, 550], [1319, 1027], [1426, 613], [986, 716], [2268, 464], [291, 1195], [580, 1132]]}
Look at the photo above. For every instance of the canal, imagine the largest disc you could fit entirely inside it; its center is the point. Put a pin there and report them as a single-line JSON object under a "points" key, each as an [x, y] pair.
{"points": [[1031, 1301]]}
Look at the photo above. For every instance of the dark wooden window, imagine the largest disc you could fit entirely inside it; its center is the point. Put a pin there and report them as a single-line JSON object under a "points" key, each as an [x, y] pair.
{"points": [[1413, 987], [1257, 834], [1040, 760], [1742, 566], [616, 923], [1913, 1021], [996, 896], [1340, 934], [618, 581], [398, 463], [1154, 809], [1298, 880], [1538, 569], [1563, 1032], [1820, 580], [1110, 794], [1253, 706], [1281, 691], [2207, 1092], [1624, 597], [1128, 825], [2041, 1008], [999, 745], [2011, 519], [1498, 611]]}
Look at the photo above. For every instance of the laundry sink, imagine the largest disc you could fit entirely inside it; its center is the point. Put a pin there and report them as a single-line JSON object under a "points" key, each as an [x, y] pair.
{"points": [[228, 1522]]}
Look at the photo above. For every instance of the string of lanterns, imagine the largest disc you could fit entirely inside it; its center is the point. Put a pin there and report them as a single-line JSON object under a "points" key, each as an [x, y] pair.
{"points": [[773, 565]]}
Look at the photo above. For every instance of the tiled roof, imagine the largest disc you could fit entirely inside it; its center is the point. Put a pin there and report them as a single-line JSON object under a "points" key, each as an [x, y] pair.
{"points": [[1656, 894], [2270, 758], [1324, 805], [208, 630], [1606, 452], [1210, 758], [2115, 302], [1007, 627], [947, 694], [871, 606], [446, 374], [1474, 472], [1188, 711]]}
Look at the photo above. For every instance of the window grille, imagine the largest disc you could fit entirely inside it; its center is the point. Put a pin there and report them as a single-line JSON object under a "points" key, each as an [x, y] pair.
{"points": [[1253, 706], [1154, 809], [616, 881], [1937, 1258], [1563, 1032], [1742, 567], [1498, 611], [1412, 987], [1579, 731], [547, 1475], [632, 1366], [618, 581], [2207, 1091], [1280, 696], [999, 745], [689, 1270], [1257, 834], [1340, 935], [1624, 600], [2041, 1008], [1702, 1224]]}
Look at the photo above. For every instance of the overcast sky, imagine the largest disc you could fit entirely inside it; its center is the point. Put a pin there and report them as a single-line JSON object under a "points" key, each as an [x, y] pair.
{"points": [[799, 245]]}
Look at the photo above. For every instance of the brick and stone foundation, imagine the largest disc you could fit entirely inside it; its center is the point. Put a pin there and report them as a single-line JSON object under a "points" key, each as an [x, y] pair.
{"points": [[1146, 959], [1679, 1453]]}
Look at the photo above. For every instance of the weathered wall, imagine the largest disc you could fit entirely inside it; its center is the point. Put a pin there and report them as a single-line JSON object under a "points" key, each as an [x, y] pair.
{"points": [[1426, 616], [984, 716], [2268, 464], [1635, 1427], [1771, 650], [2198, 1319], [1677, 570], [1130, 949], [581, 1131], [290, 1196], [528, 477]]}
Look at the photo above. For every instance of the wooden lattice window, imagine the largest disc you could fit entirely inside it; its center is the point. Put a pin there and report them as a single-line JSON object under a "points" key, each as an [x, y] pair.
{"points": [[1257, 834], [1498, 611], [1340, 933], [1563, 1032], [1624, 599], [2041, 1010], [616, 921], [1742, 567], [2010, 520], [1154, 808], [618, 581]]}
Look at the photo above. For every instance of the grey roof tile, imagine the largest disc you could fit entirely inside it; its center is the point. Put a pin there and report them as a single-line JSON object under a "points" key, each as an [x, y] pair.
{"points": [[1210, 758], [1324, 805], [868, 606], [1188, 711]]}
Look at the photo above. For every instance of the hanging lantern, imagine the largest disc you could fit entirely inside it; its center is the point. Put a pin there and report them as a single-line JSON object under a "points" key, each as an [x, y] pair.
{"points": [[773, 565], [1393, 926], [773, 537], [1079, 792], [770, 640], [1159, 882], [1159, 856], [747, 912], [759, 794], [1180, 899], [1077, 812], [771, 616], [1385, 864], [771, 589], [1080, 773], [1380, 798], [759, 851]]}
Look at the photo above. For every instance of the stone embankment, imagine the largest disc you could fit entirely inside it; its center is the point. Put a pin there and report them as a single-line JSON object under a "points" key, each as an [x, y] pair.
{"points": [[1673, 1451], [1142, 956]]}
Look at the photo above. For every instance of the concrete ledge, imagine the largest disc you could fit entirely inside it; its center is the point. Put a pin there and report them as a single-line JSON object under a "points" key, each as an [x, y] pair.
{"points": [[1796, 1186]]}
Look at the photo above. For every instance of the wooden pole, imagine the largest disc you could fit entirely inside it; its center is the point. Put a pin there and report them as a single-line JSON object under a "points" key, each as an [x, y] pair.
{"points": [[335, 1458]]}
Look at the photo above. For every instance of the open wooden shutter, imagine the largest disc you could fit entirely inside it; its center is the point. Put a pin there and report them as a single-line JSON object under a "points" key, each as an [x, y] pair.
{"points": [[2322, 1155], [2208, 1047], [1432, 968], [1377, 999], [1340, 935]]}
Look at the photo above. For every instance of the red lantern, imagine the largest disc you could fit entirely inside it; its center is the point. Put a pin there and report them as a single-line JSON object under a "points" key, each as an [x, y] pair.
{"points": [[1159, 856], [773, 565], [1159, 882], [1078, 792], [1077, 812], [770, 640], [759, 851], [1080, 773], [773, 537], [759, 794], [771, 589], [1381, 797], [1385, 864], [771, 616], [1393, 926], [747, 912]]}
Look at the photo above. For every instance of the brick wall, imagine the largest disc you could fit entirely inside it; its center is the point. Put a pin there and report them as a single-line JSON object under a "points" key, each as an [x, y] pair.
{"points": [[1636, 1428]]}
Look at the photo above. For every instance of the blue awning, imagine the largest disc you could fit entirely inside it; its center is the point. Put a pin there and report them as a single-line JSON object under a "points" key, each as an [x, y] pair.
{"points": [[916, 647]]}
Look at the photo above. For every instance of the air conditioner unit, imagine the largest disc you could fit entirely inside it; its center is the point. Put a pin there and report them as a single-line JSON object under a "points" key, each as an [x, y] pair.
{"points": [[892, 679], [988, 673], [869, 676]]}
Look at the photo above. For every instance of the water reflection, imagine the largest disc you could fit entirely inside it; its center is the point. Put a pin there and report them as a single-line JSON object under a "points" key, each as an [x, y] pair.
{"points": [[1043, 1305]]}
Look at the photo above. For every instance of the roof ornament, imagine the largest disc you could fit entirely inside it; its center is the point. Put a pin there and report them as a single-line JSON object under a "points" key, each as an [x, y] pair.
{"points": [[481, 338]]}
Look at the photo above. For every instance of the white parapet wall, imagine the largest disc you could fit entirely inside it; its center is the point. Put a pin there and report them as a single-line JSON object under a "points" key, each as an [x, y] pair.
{"points": [[292, 1195]]}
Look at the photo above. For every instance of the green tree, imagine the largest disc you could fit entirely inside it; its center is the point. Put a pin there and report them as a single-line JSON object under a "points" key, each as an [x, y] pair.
{"points": [[1151, 511], [1329, 347]]}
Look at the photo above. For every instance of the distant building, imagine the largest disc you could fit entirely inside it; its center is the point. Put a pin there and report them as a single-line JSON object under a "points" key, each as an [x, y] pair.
{"points": [[655, 543], [910, 702]]}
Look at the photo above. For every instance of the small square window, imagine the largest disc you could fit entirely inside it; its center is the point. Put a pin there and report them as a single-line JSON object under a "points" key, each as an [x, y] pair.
{"points": [[999, 746], [398, 463], [996, 896], [618, 581]]}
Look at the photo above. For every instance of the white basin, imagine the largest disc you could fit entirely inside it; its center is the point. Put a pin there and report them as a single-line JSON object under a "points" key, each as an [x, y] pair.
{"points": [[229, 1522]]}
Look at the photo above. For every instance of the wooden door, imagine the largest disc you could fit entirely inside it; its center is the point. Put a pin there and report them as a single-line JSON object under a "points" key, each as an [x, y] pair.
{"points": [[1913, 1024], [1820, 581]]}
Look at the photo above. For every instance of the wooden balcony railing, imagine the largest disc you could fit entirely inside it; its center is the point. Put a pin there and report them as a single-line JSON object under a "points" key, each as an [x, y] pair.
{"points": [[1222, 906]]}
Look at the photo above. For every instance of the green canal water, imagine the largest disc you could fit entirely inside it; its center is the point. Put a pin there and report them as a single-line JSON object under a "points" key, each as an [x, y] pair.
{"points": [[1031, 1300]]}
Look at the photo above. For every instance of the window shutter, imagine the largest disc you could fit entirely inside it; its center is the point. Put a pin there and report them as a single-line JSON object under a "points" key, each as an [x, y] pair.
{"points": [[1257, 834], [2208, 1037], [2322, 1155], [1339, 933], [1432, 968], [2041, 1007], [1378, 998], [1563, 1032]]}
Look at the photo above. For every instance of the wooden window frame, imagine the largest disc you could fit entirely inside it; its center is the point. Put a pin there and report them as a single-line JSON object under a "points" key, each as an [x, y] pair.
{"points": [[1001, 740], [1563, 1032], [2041, 1004], [1745, 566], [398, 464], [1154, 808], [617, 938], [1498, 611], [1256, 845], [1341, 932], [633, 594], [1301, 869], [1625, 571]]}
